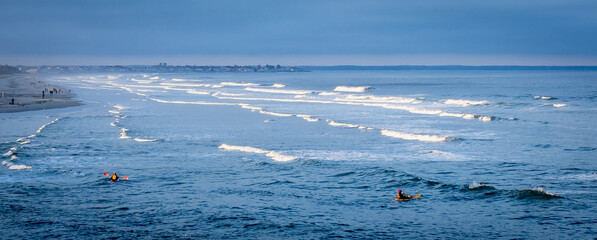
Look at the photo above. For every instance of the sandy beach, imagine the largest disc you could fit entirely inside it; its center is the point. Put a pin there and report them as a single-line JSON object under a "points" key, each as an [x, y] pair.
{"points": [[25, 92]]}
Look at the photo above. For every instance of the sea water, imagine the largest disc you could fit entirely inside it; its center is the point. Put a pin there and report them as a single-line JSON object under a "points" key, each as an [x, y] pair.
{"points": [[495, 154]]}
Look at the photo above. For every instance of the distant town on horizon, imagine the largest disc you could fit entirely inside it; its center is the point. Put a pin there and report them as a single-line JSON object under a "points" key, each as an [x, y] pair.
{"points": [[165, 68]]}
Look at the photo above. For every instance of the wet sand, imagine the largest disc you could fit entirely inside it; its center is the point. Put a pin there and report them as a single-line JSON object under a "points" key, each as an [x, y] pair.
{"points": [[27, 90]]}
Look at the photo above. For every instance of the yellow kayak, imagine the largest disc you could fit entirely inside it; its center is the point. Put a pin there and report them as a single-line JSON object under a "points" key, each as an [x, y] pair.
{"points": [[408, 198]]}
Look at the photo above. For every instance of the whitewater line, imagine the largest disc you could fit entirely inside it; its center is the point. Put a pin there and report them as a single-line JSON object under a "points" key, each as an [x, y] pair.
{"points": [[276, 156], [384, 132], [382, 105], [12, 152]]}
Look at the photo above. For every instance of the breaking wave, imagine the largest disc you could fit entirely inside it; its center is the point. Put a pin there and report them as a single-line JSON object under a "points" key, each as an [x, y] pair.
{"points": [[307, 118], [235, 84], [144, 140], [351, 89], [187, 102], [410, 109], [479, 187], [11, 154], [376, 99], [545, 97], [418, 137], [123, 134], [464, 103], [346, 125], [190, 85], [276, 156], [281, 91]]}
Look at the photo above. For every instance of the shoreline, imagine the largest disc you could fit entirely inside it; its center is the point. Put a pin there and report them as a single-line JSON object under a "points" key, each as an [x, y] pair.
{"points": [[24, 92]]}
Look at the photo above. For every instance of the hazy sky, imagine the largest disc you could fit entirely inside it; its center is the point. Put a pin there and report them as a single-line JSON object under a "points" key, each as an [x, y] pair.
{"points": [[367, 32]]}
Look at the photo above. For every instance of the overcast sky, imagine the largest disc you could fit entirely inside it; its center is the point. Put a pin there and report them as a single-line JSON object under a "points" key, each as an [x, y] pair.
{"points": [[320, 32]]}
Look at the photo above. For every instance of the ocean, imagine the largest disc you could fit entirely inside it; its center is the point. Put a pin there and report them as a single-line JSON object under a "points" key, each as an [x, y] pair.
{"points": [[496, 154]]}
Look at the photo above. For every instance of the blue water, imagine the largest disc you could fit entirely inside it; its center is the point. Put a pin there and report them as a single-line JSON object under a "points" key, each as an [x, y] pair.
{"points": [[495, 154]]}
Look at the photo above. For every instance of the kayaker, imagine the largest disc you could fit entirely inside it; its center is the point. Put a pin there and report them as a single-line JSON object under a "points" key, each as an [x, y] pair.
{"points": [[401, 195], [114, 177]]}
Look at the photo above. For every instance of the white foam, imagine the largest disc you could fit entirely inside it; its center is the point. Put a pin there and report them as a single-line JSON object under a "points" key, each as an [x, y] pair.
{"points": [[113, 124], [154, 78], [307, 118], [192, 91], [337, 124], [542, 190], [464, 103], [114, 112], [276, 156], [278, 85], [196, 102], [438, 112], [275, 114], [45, 125], [144, 140], [18, 167], [142, 81], [267, 90], [351, 89], [485, 118], [410, 136], [226, 94], [25, 142], [10, 152], [545, 97], [189, 85], [235, 84], [177, 80], [558, 105], [123, 133], [372, 98], [382, 105], [328, 93], [247, 106]]}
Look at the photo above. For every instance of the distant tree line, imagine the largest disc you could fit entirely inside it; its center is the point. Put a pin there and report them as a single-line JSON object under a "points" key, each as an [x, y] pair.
{"points": [[8, 69], [161, 68]]}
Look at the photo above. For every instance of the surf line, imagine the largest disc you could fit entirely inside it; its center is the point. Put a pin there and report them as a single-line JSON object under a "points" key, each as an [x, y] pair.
{"points": [[409, 109], [309, 118], [276, 156], [123, 131], [384, 132], [11, 154]]}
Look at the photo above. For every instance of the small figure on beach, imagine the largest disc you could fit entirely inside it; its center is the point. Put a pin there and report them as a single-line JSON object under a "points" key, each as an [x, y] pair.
{"points": [[12, 102], [43, 94]]}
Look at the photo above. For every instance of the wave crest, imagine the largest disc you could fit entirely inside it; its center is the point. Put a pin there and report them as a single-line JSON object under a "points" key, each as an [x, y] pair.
{"points": [[418, 137], [276, 156], [351, 89], [534, 193]]}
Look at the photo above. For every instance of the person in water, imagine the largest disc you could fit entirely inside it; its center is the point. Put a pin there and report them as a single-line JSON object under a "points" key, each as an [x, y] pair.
{"points": [[401, 195], [114, 177]]}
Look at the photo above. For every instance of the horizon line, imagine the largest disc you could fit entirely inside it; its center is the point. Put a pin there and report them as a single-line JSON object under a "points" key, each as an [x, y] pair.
{"points": [[305, 60]]}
